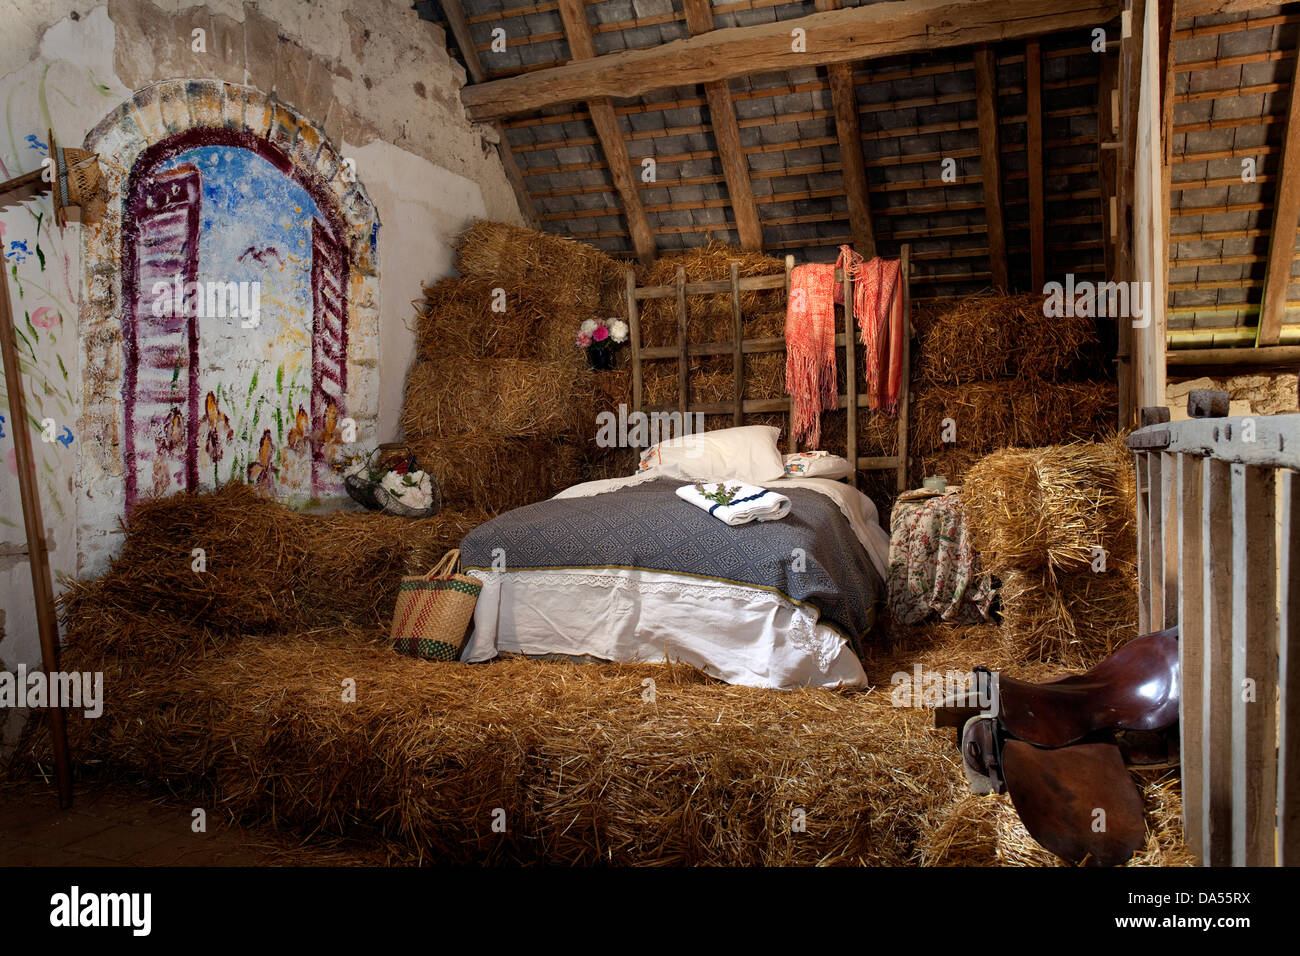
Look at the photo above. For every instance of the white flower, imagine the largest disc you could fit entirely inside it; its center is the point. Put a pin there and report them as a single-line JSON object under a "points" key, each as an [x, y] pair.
{"points": [[414, 490], [618, 330], [355, 468], [393, 484], [588, 327]]}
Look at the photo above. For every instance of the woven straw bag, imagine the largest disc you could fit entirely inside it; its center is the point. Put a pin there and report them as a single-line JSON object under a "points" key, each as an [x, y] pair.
{"points": [[434, 610]]}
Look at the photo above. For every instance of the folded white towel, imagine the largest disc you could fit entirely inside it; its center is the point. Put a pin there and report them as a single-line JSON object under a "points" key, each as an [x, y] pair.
{"points": [[748, 502]]}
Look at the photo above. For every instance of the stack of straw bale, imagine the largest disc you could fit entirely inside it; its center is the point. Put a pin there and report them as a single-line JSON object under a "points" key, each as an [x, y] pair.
{"points": [[266, 568], [1007, 376], [1041, 518], [500, 406], [226, 689]]}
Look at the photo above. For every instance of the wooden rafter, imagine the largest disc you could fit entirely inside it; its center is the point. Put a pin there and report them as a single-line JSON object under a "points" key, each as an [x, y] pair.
{"points": [[726, 134], [986, 93], [459, 26], [1034, 162], [834, 36], [1107, 159], [1286, 219], [848, 131], [578, 32], [1206, 8]]}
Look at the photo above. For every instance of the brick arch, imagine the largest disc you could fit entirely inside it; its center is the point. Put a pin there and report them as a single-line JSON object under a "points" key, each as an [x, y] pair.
{"points": [[153, 126]]}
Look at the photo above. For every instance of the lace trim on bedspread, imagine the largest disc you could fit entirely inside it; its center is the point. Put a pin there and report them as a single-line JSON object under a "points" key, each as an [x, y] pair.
{"points": [[823, 644]]}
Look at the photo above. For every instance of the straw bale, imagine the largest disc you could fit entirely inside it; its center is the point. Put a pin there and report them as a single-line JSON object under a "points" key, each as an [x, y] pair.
{"points": [[987, 831], [1025, 413], [1049, 508], [457, 317], [586, 770], [266, 567], [485, 472], [583, 277], [987, 337], [507, 397], [953, 463], [1076, 619]]}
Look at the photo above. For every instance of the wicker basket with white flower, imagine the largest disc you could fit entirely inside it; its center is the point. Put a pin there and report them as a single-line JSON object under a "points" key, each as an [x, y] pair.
{"points": [[390, 480]]}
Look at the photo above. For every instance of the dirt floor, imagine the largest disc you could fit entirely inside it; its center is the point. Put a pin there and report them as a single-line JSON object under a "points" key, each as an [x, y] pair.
{"points": [[116, 823]]}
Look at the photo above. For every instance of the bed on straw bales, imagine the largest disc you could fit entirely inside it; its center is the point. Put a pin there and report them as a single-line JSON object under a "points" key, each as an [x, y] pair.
{"points": [[229, 687]]}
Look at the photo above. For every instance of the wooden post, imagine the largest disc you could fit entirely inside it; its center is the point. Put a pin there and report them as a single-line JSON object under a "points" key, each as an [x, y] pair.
{"points": [[634, 336], [1286, 218], [848, 133], [37, 552], [737, 351], [792, 442], [1034, 162], [986, 95], [904, 392], [1155, 569], [683, 348], [851, 369]]}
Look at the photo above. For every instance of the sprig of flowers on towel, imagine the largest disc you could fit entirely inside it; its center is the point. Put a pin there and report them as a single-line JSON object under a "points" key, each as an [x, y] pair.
{"points": [[721, 495]]}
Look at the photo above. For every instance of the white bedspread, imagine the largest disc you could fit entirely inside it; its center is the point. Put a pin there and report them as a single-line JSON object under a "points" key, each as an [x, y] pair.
{"points": [[742, 635]]}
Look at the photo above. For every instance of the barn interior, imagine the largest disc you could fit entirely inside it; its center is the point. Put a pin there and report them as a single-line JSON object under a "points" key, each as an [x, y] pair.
{"points": [[463, 240]]}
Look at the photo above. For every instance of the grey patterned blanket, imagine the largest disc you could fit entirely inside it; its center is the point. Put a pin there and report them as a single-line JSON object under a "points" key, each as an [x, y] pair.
{"points": [[811, 556]]}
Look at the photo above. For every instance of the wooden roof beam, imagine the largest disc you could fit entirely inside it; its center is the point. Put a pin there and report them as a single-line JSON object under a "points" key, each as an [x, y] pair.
{"points": [[459, 25], [1034, 163], [848, 131], [578, 31], [834, 36], [726, 134], [1282, 230], [986, 87]]}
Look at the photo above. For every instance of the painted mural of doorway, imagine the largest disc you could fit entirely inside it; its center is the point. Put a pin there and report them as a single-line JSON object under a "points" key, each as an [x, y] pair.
{"points": [[235, 277]]}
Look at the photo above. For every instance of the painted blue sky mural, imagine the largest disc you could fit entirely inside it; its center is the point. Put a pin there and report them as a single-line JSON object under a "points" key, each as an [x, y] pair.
{"points": [[254, 226]]}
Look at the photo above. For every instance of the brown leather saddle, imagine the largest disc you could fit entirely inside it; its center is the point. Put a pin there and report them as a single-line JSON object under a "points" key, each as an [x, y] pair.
{"points": [[1062, 749]]}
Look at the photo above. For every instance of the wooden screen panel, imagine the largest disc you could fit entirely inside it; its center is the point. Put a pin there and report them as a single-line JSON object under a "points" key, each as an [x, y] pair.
{"points": [[1143, 542], [1191, 643], [738, 347], [1288, 771], [1169, 538], [1216, 688], [1155, 570], [1254, 660]]}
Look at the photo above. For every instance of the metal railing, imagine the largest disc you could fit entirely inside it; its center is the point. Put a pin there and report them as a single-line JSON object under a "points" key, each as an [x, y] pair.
{"points": [[1218, 530]]}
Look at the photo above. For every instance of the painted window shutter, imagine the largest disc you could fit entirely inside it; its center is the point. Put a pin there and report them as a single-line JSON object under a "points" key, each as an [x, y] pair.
{"points": [[161, 376], [329, 347]]}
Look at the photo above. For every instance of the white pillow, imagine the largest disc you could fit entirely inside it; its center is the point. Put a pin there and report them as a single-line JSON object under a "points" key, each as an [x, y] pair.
{"points": [[748, 453], [816, 464]]}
